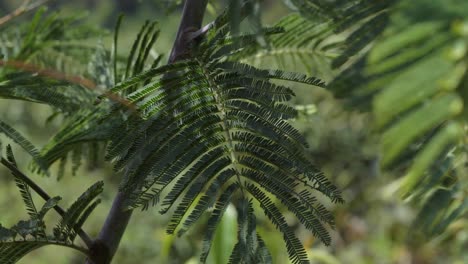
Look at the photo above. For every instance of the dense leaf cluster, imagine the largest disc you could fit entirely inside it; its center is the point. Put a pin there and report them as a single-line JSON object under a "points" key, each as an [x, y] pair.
{"points": [[212, 128]]}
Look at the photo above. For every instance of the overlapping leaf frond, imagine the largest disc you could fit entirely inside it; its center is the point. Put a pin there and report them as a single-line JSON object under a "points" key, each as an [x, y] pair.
{"points": [[324, 38], [36, 66], [303, 46], [27, 74], [49, 41], [415, 81], [82, 136], [210, 130], [39, 59], [13, 251], [237, 10], [23, 188], [29, 235], [89, 129], [365, 19], [250, 247], [24, 143], [75, 216]]}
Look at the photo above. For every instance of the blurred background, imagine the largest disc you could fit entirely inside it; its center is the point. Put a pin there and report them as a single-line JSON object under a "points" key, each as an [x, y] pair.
{"points": [[371, 227]]}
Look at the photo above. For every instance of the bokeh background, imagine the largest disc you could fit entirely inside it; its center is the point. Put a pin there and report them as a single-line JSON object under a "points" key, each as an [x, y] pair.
{"points": [[372, 226]]}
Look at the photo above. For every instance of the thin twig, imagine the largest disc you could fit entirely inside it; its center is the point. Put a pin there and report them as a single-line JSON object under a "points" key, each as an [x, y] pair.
{"points": [[16, 172], [23, 8], [84, 82]]}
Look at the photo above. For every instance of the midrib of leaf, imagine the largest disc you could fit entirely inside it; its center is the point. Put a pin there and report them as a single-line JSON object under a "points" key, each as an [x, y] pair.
{"points": [[288, 51], [40, 242], [220, 105], [72, 44]]}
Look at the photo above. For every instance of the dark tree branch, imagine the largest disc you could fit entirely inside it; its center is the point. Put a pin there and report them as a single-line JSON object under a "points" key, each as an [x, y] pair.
{"points": [[105, 246], [16, 172], [192, 18]]}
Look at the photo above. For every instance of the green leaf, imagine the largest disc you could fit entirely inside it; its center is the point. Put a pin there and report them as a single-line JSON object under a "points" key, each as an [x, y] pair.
{"points": [[77, 213], [23, 188], [250, 247], [431, 151], [214, 220], [430, 115], [24, 143], [13, 251], [49, 204], [296, 251], [413, 79]]}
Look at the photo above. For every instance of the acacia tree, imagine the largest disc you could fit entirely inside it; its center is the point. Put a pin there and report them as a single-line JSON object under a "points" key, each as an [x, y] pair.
{"points": [[209, 127]]}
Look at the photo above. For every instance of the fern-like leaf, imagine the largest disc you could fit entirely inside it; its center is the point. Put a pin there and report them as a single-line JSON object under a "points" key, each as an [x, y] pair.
{"points": [[23, 143], [215, 218], [304, 46], [206, 123], [323, 37], [420, 115], [250, 247], [296, 251], [11, 251], [95, 124], [77, 213], [84, 216], [49, 204], [23, 188]]}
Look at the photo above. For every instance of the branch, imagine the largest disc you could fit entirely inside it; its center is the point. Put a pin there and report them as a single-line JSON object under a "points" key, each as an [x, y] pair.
{"points": [[15, 171], [24, 8], [106, 244], [192, 18], [57, 75]]}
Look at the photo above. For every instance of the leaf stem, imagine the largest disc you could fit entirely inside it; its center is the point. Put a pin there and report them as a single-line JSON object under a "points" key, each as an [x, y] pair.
{"points": [[16, 172]]}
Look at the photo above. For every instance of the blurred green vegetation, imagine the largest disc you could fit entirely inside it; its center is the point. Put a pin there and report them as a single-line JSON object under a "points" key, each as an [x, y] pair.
{"points": [[372, 226]]}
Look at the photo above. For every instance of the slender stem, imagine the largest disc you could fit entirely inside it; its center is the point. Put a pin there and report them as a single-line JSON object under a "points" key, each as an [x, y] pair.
{"points": [[79, 80], [16, 172]]}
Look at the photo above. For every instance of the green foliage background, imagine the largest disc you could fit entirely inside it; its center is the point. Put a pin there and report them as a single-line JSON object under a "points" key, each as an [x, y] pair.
{"points": [[374, 226]]}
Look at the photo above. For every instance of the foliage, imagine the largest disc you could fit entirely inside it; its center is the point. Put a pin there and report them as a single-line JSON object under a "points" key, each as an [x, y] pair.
{"points": [[213, 128], [420, 115], [210, 111], [33, 231]]}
